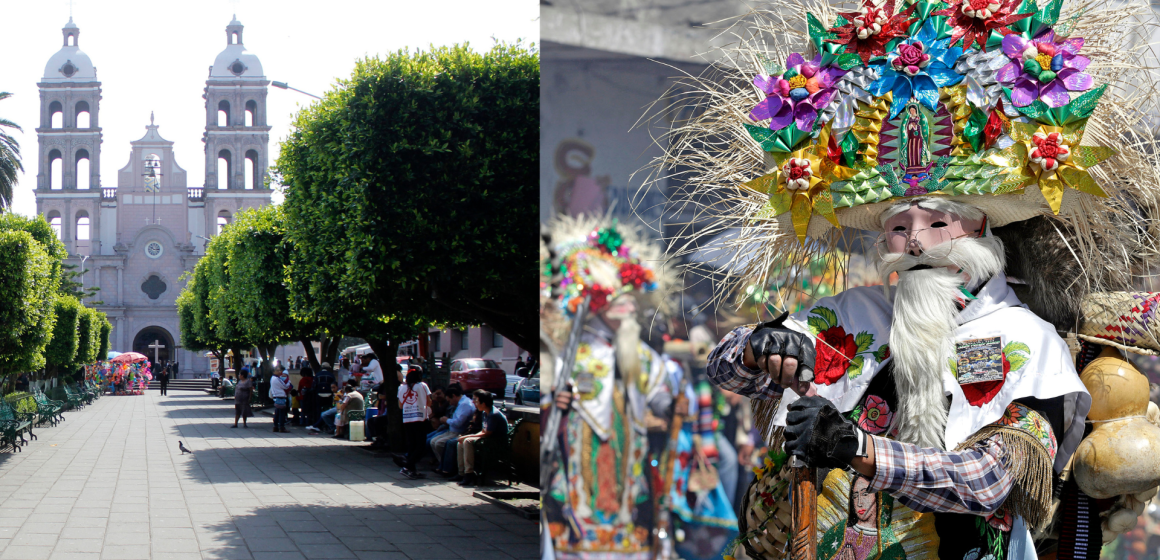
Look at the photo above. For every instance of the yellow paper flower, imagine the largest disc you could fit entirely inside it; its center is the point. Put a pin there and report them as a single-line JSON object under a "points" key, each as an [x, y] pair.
{"points": [[800, 184], [1054, 159]]}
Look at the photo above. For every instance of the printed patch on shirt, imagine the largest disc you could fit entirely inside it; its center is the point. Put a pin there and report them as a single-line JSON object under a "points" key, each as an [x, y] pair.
{"points": [[979, 360]]}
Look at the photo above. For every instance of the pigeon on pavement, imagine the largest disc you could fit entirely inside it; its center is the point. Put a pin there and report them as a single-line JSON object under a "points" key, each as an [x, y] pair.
{"points": [[181, 446]]}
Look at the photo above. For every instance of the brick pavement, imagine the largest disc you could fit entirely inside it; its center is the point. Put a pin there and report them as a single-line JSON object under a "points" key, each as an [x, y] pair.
{"points": [[109, 483]]}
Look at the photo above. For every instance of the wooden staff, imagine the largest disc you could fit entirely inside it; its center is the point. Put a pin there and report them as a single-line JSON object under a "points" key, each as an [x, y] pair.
{"points": [[804, 500]]}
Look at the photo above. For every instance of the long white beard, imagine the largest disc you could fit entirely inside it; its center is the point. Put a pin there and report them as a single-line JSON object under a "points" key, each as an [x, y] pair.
{"points": [[627, 348], [923, 326]]}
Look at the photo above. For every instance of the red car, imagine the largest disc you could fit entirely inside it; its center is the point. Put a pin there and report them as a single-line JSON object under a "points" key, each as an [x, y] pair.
{"points": [[476, 373]]}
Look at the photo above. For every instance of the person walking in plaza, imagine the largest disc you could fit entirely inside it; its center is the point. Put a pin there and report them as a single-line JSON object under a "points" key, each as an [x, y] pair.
{"points": [[163, 377], [413, 400], [280, 392], [242, 393]]}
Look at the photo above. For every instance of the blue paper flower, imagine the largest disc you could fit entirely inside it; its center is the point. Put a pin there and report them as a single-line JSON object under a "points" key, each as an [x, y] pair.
{"points": [[916, 68]]}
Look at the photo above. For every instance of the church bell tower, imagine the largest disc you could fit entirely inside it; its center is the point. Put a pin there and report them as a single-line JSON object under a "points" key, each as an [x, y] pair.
{"points": [[236, 137], [68, 180]]}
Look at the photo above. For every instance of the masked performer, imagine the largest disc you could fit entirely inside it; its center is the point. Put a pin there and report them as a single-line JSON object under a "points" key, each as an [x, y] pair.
{"points": [[600, 501], [943, 408]]}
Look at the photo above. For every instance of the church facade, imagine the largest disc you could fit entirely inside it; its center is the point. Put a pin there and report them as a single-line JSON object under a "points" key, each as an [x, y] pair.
{"points": [[138, 237]]}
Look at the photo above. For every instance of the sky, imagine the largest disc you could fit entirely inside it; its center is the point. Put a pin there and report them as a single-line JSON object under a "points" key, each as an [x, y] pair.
{"points": [[155, 57]]}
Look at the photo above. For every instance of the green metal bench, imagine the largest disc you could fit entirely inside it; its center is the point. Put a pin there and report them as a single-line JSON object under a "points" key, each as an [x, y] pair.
{"points": [[47, 409], [92, 387], [85, 394], [19, 409], [72, 397], [493, 456]]}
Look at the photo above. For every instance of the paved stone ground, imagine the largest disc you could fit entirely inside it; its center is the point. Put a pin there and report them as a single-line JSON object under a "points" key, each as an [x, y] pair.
{"points": [[109, 483]]}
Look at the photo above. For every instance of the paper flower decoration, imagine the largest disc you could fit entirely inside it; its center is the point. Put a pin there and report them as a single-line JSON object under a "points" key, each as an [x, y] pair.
{"points": [[870, 30], [602, 267], [800, 184], [917, 68], [797, 95], [974, 20], [1043, 68], [1055, 160]]}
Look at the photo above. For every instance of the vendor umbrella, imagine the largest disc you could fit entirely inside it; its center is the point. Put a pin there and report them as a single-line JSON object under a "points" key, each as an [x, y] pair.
{"points": [[129, 358], [112, 354]]}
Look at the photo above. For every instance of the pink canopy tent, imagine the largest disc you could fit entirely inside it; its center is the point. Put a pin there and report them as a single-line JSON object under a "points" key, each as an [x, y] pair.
{"points": [[129, 358]]}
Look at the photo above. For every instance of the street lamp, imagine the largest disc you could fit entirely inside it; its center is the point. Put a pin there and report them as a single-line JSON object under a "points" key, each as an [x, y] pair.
{"points": [[83, 259], [282, 85]]}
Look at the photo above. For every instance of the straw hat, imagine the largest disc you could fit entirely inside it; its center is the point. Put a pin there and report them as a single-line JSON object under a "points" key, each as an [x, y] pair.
{"points": [[1125, 320]]}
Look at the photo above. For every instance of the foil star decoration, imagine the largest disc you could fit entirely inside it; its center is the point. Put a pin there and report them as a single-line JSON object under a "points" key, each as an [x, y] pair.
{"points": [[800, 183], [1054, 159], [869, 31], [974, 20]]}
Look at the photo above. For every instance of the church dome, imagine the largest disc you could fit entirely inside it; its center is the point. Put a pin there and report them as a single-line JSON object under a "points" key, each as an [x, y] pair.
{"points": [[236, 62], [70, 64]]}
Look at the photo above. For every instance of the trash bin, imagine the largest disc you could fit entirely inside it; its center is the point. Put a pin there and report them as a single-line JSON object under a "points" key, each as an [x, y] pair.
{"points": [[371, 413]]}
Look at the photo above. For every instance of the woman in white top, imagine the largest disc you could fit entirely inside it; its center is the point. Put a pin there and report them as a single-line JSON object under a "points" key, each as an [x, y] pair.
{"points": [[280, 391], [413, 399]]}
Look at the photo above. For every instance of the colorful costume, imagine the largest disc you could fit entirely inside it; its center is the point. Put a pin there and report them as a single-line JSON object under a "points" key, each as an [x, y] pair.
{"points": [[995, 111], [600, 501]]}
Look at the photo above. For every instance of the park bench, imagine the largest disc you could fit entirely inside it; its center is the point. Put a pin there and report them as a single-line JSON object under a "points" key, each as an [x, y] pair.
{"points": [[228, 391], [48, 409], [493, 456], [93, 388], [74, 399], [20, 410], [85, 394]]}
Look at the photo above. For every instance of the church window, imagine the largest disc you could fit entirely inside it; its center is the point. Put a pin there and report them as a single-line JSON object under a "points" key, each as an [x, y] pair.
{"points": [[251, 113], [237, 68], [54, 221], [82, 169], [153, 287], [223, 220], [153, 249], [234, 38], [82, 115], [68, 69], [223, 114], [223, 169], [55, 115], [72, 40], [82, 226], [55, 170], [152, 174], [253, 180]]}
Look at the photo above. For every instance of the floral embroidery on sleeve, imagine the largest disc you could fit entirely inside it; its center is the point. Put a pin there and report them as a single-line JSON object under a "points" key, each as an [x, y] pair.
{"points": [[839, 353]]}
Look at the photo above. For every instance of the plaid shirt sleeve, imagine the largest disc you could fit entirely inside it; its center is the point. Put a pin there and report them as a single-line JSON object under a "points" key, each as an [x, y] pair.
{"points": [[726, 370], [970, 481]]}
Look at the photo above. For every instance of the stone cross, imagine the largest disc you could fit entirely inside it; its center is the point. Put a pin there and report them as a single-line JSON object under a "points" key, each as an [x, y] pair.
{"points": [[156, 346]]}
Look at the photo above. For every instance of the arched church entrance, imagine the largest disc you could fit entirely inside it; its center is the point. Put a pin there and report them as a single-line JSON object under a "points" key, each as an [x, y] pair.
{"points": [[154, 343]]}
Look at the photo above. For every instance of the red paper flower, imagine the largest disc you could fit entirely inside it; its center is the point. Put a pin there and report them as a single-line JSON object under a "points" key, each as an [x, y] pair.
{"points": [[834, 349], [871, 28], [1049, 151], [599, 296], [635, 275], [974, 20]]}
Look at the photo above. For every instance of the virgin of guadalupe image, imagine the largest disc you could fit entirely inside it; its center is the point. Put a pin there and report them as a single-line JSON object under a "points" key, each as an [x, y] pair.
{"points": [[857, 523], [915, 132], [861, 538]]}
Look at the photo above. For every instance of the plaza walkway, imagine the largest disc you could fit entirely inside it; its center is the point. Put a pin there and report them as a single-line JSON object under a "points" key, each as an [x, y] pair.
{"points": [[109, 483]]}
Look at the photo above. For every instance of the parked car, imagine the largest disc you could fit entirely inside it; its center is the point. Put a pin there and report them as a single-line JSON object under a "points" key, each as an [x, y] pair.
{"points": [[509, 390], [528, 389], [477, 373]]}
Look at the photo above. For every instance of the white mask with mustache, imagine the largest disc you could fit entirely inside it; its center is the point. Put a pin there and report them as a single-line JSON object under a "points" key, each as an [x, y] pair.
{"points": [[924, 323]]}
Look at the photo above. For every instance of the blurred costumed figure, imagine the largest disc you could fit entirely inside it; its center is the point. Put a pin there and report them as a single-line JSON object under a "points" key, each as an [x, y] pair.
{"points": [[602, 499], [996, 162]]}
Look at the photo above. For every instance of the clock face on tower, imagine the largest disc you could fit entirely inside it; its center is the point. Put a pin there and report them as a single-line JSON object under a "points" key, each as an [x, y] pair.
{"points": [[153, 249]]}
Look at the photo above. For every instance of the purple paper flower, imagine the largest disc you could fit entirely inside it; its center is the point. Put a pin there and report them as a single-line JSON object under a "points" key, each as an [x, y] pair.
{"points": [[1044, 68], [797, 95]]}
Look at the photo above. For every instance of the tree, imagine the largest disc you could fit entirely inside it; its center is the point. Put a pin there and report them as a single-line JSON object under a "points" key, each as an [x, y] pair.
{"points": [[88, 335], [106, 329], [411, 194], [10, 164], [61, 353], [30, 268]]}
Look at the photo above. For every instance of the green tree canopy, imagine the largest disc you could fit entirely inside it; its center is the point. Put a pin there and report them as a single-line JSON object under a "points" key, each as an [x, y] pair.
{"points": [[30, 272], [411, 194], [106, 329], [88, 335], [61, 352]]}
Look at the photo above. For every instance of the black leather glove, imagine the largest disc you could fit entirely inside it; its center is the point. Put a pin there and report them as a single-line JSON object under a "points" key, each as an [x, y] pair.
{"points": [[773, 339], [820, 435]]}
